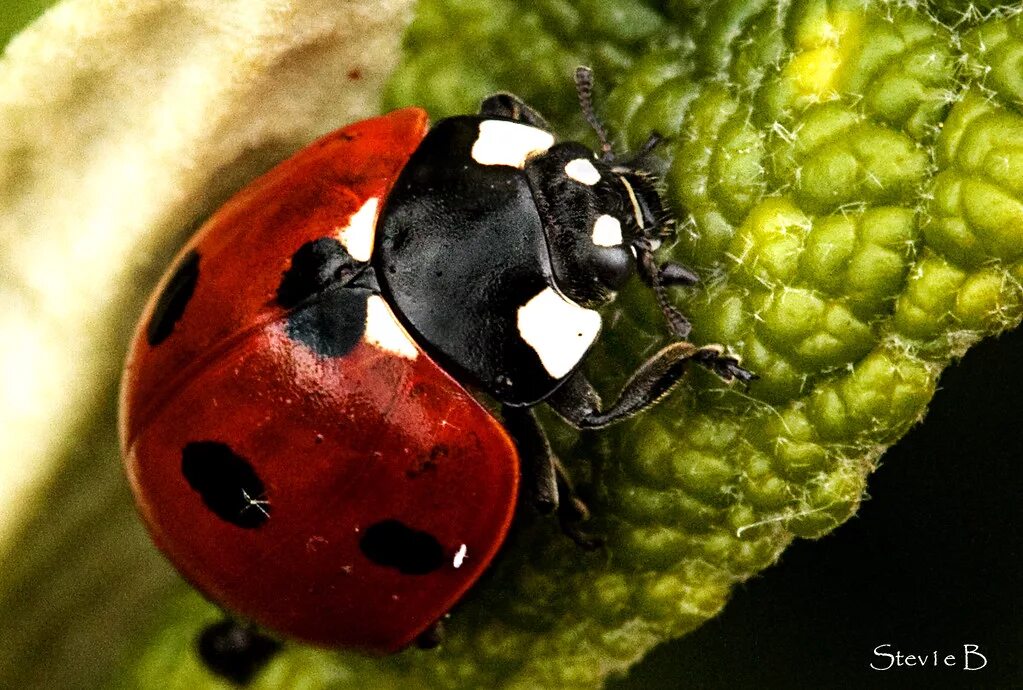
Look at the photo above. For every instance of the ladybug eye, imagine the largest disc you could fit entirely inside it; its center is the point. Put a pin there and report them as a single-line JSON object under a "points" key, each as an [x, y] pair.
{"points": [[613, 266]]}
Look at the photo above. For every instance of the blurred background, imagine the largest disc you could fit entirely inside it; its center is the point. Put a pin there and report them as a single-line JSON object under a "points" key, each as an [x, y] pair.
{"points": [[930, 563]]}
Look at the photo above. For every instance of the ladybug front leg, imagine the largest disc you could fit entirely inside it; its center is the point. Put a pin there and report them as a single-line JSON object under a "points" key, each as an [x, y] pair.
{"points": [[546, 484], [578, 402], [510, 106]]}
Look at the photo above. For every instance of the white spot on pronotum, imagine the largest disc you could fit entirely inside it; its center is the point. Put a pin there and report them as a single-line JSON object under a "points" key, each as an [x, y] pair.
{"points": [[607, 231], [357, 236], [384, 331], [502, 142], [558, 330], [460, 556], [581, 170]]}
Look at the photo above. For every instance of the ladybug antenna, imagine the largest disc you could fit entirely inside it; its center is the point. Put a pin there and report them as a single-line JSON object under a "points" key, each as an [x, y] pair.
{"points": [[640, 157], [653, 141], [584, 87]]}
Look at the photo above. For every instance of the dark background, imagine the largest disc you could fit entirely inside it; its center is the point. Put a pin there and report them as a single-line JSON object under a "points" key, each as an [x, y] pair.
{"points": [[931, 561]]}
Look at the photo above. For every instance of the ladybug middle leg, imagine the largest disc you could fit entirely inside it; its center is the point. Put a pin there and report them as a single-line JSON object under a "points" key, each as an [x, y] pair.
{"points": [[578, 402], [546, 483]]}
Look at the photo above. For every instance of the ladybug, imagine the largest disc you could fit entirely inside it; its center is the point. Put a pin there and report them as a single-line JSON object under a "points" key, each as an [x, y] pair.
{"points": [[329, 398]]}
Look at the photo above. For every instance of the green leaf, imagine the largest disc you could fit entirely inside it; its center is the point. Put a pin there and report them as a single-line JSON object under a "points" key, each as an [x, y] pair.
{"points": [[846, 174]]}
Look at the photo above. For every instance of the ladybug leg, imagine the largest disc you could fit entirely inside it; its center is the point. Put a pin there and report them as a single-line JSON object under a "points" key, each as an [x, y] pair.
{"points": [[432, 637], [539, 466], [572, 512], [547, 484], [578, 402], [514, 108], [235, 650], [660, 277]]}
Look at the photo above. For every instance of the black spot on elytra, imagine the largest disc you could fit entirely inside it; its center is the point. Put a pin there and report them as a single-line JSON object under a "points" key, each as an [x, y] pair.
{"points": [[226, 482], [173, 300], [235, 651], [393, 544], [332, 324], [314, 267]]}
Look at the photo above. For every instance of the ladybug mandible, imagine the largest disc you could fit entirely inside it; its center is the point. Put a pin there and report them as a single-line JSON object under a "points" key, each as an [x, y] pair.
{"points": [[296, 412]]}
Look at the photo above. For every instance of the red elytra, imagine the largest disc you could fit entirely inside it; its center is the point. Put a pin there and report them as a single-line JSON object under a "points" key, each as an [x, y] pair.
{"points": [[338, 443]]}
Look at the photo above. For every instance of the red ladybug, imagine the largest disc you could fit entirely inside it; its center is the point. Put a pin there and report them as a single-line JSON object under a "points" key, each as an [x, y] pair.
{"points": [[301, 409]]}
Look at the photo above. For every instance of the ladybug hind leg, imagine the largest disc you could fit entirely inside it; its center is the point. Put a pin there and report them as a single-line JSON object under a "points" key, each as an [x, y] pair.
{"points": [[432, 637], [235, 650], [572, 512], [547, 484]]}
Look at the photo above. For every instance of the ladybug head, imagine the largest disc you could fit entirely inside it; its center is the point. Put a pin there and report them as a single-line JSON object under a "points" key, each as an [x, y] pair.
{"points": [[604, 217], [634, 184]]}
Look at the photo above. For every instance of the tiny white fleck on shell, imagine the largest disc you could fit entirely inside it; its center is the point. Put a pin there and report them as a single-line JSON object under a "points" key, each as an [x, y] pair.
{"points": [[460, 556], [384, 331], [558, 330], [357, 236], [582, 170], [501, 142], [607, 231]]}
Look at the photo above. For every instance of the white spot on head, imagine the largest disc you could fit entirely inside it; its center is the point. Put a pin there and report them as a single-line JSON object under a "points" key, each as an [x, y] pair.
{"points": [[607, 231], [358, 235], [460, 556], [582, 170], [384, 331], [502, 142], [558, 330]]}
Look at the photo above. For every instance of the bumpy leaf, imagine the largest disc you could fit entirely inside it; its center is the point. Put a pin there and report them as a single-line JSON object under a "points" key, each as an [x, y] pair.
{"points": [[848, 180]]}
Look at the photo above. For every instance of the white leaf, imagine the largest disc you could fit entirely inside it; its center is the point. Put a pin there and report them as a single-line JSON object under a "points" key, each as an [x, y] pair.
{"points": [[121, 123]]}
